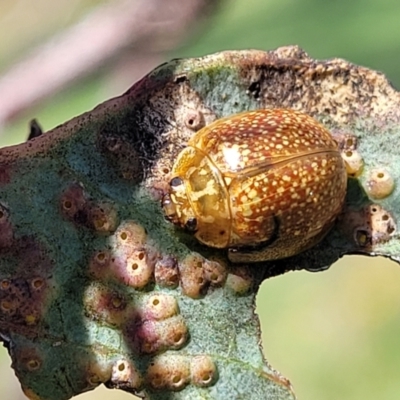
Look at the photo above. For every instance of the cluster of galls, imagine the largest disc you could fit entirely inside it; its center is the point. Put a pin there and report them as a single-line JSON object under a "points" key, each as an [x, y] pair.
{"points": [[175, 372], [24, 292], [22, 302], [378, 182], [164, 372], [150, 320], [348, 145], [372, 225], [132, 260], [80, 209], [131, 290], [129, 277], [369, 227]]}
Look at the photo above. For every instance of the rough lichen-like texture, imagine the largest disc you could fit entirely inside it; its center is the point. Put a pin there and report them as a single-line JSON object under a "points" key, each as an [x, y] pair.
{"points": [[96, 287]]}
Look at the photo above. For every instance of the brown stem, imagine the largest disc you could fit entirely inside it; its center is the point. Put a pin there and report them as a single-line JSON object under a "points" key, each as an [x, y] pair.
{"points": [[102, 36]]}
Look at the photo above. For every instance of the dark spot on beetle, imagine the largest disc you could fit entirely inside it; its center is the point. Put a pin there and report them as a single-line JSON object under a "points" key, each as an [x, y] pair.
{"points": [[177, 181], [191, 224], [222, 233]]}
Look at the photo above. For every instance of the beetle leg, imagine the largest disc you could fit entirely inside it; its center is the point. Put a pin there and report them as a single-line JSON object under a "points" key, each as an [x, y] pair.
{"points": [[238, 252]]}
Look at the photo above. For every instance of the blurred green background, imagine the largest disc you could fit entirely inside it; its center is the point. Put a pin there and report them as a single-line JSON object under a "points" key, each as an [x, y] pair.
{"points": [[333, 334]]}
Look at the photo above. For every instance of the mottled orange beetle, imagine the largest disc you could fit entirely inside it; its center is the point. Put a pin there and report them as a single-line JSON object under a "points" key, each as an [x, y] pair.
{"points": [[267, 184]]}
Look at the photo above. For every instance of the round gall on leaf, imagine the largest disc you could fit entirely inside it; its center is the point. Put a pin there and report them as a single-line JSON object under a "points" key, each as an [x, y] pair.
{"points": [[380, 184]]}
